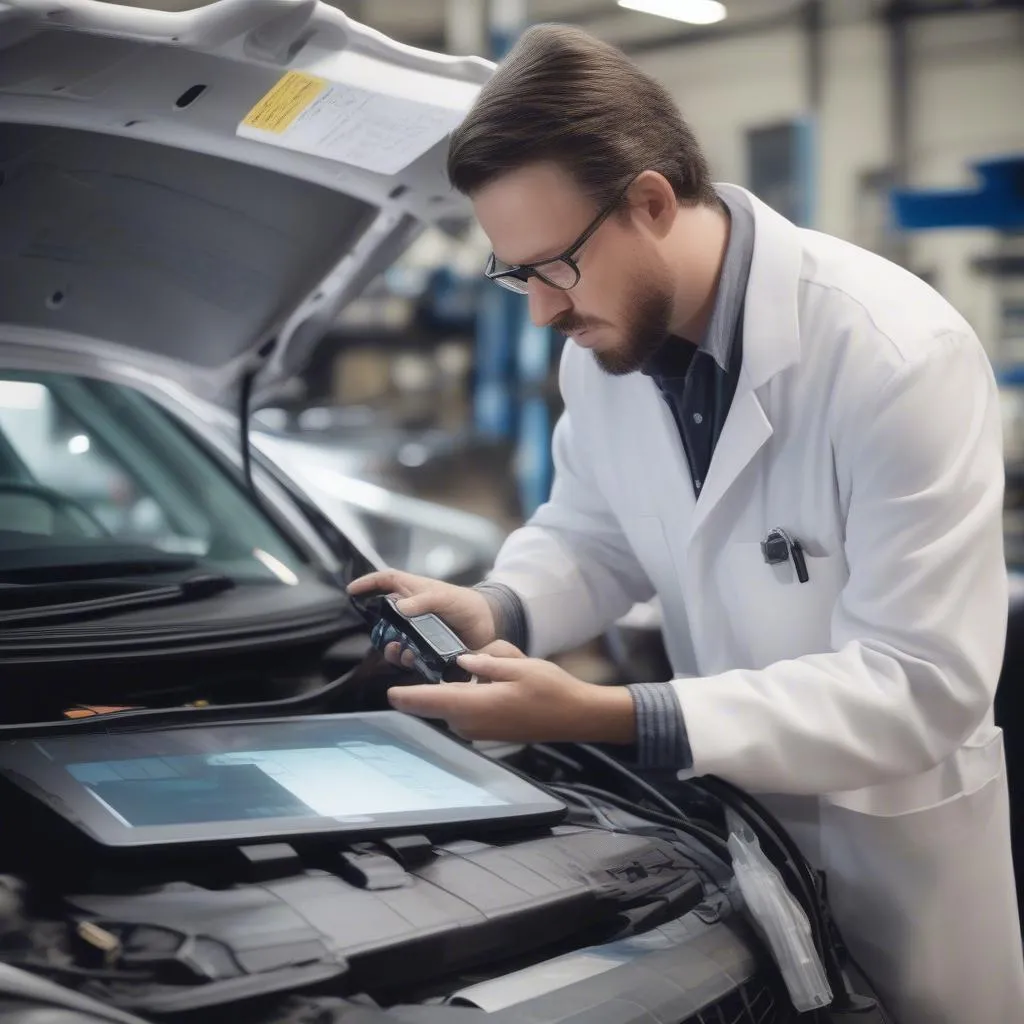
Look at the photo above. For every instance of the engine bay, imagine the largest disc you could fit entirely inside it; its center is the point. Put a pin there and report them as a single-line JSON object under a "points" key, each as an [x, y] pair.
{"points": [[505, 927]]}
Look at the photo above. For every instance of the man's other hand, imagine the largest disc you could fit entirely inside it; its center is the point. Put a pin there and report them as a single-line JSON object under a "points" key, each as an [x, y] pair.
{"points": [[522, 700], [466, 611]]}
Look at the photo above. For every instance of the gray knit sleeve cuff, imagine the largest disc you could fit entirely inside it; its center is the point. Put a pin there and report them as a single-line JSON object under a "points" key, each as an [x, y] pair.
{"points": [[662, 741], [509, 613]]}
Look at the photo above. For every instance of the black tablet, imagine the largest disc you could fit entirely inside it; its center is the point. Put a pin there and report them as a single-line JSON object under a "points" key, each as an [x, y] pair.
{"points": [[248, 781]]}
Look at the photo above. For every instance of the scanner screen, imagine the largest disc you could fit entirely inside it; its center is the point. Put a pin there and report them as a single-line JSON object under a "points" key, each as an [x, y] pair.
{"points": [[341, 780], [357, 773], [440, 637]]}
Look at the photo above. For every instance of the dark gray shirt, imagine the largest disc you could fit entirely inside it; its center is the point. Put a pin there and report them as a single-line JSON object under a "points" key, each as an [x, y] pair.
{"points": [[698, 383]]}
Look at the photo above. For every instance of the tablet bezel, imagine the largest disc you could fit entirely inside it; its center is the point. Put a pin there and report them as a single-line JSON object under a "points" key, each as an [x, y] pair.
{"points": [[24, 765]]}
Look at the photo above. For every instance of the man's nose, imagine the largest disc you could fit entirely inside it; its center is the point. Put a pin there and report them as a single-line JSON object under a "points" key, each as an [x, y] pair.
{"points": [[546, 303]]}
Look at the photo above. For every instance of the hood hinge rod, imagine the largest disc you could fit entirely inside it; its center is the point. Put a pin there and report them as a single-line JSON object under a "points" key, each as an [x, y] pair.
{"points": [[257, 363]]}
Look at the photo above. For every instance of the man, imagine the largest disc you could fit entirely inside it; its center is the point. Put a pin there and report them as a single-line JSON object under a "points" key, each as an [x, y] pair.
{"points": [[796, 446]]}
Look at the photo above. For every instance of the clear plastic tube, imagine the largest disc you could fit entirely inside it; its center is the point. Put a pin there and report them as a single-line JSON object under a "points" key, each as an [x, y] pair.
{"points": [[780, 918]]}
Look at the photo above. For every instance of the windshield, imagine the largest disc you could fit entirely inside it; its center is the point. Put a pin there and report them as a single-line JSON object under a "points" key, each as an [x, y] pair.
{"points": [[86, 464]]}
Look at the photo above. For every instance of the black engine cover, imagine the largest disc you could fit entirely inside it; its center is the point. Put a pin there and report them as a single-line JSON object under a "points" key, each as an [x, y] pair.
{"points": [[376, 924]]}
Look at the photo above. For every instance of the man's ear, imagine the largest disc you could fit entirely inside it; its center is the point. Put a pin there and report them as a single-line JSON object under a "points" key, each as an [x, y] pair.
{"points": [[652, 203]]}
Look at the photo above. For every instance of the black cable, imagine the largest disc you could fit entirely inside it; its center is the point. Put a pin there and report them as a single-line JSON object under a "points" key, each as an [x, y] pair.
{"points": [[633, 778], [771, 831], [672, 814], [794, 863], [661, 822], [715, 843], [767, 826], [599, 814], [557, 755]]}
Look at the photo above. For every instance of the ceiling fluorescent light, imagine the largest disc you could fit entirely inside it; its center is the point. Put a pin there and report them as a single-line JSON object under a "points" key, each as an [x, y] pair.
{"points": [[695, 12]]}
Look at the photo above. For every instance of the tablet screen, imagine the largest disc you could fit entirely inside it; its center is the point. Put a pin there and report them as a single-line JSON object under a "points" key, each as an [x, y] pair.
{"points": [[256, 779]]}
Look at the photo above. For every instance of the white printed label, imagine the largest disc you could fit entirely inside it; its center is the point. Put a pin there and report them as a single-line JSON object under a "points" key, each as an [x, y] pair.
{"points": [[347, 122]]}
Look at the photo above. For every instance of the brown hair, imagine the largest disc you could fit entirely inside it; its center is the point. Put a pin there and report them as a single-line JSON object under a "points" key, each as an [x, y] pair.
{"points": [[563, 96]]}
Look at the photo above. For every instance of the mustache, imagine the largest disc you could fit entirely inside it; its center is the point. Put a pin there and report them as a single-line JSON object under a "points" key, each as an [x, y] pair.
{"points": [[570, 325]]}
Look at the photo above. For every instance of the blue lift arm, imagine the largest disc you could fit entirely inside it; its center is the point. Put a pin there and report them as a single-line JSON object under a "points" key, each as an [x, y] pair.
{"points": [[997, 202]]}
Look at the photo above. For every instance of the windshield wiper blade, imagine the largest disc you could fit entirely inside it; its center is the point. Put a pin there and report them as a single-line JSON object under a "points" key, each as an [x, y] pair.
{"points": [[27, 560], [116, 600]]}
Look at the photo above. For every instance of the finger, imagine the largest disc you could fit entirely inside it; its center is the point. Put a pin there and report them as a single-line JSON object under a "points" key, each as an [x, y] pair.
{"points": [[422, 603], [393, 653], [408, 658], [384, 582], [493, 668], [501, 649], [433, 701]]}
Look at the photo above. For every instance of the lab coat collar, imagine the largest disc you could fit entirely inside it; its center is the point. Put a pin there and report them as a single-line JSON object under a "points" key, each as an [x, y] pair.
{"points": [[771, 331], [771, 343]]}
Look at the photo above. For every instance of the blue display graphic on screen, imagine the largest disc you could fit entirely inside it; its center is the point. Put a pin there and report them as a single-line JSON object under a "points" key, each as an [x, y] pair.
{"points": [[344, 780]]}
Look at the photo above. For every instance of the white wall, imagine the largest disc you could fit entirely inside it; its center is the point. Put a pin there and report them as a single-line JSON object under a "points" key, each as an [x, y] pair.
{"points": [[966, 101], [853, 126], [726, 87]]}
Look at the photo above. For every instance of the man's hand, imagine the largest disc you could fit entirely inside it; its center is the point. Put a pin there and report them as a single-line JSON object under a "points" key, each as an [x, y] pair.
{"points": [[465, 610], [525, 701]]}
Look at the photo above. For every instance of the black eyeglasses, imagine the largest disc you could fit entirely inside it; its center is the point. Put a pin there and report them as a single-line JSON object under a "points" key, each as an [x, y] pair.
{"points": [[560, 271]]}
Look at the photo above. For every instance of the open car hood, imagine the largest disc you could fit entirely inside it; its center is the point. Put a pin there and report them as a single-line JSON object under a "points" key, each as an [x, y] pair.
{"points": [[199, 193]]}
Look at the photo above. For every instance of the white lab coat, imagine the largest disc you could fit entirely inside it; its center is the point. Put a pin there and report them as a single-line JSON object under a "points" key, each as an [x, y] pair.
{"points": [[866, 423]]}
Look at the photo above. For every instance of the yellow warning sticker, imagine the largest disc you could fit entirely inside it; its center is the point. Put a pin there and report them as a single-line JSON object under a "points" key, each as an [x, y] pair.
{"points": [[290, 97], [356, 118]]}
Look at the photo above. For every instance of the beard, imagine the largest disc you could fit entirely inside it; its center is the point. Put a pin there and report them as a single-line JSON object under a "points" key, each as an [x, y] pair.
{"points": [[645, 327]]}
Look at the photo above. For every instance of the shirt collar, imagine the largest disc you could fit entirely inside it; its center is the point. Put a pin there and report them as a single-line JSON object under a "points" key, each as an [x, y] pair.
{"points": [[732, 285]]}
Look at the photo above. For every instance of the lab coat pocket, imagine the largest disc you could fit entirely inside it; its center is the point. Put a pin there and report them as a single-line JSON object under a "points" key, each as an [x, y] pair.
{"points": [[769, 613]]}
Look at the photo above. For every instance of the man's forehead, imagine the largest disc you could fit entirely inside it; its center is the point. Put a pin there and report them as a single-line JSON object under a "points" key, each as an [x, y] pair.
{"points": [[532, 213]]}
